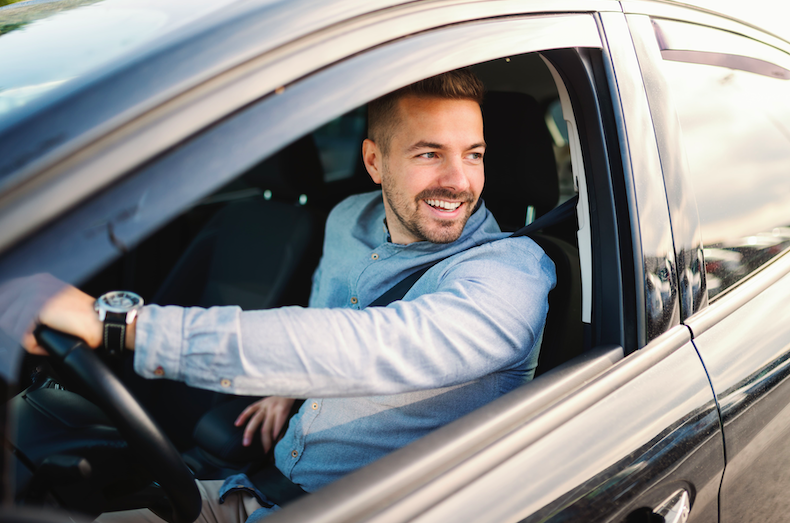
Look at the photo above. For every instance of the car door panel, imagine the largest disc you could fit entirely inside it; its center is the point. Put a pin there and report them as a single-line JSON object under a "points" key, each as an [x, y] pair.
{"points": [[747, 353], [743, 336], [629, 439]]}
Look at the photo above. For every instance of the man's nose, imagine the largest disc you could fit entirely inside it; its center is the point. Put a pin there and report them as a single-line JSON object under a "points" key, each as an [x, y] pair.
{"points": [[454, 175]]}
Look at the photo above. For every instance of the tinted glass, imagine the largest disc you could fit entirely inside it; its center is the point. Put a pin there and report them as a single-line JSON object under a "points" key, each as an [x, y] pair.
{"points": [[736, 129]]}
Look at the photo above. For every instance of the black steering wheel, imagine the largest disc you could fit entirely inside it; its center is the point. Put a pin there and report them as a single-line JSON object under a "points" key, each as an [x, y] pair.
{"points": [[71, 357]]}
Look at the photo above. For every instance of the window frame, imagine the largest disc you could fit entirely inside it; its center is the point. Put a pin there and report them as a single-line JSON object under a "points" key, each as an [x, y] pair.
{"points": [[578, 58]]}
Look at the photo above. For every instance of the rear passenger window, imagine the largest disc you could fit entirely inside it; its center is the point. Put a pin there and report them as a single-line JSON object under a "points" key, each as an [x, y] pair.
{"points": [[734, 113]]}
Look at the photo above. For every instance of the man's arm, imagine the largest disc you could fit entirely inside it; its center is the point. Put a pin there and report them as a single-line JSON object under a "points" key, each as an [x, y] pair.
{"points": [[479, 316]]}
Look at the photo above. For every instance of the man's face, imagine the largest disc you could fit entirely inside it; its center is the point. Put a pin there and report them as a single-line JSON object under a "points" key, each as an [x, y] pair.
{"points": [[432, 175]]}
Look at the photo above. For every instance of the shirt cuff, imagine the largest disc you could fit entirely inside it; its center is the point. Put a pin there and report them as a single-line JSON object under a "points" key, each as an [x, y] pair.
{"points": [[158, 342]]}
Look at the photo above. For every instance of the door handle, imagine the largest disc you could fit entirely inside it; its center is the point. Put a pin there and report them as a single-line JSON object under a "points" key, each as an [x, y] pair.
{"points": [[676, 508]]}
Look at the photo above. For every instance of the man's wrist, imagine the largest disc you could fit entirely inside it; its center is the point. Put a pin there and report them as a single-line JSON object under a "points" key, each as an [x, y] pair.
{"points": [[118, 312], [130, 334]]}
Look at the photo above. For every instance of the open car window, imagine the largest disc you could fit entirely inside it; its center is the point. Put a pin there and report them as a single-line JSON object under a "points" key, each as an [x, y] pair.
{"points": [[185, 228]]}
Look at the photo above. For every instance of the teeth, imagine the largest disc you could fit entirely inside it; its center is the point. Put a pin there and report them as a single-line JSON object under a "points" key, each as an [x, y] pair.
{"points": [[441, 204]]}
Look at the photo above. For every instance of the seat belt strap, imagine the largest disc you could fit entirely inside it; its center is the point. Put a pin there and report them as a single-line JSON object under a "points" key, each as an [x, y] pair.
{"points": [[399, 290], [557, 215], [276, 486]]}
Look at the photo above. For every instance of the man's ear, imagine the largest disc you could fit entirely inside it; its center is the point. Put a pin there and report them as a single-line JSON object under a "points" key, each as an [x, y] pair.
{"points": [[371, 157]]}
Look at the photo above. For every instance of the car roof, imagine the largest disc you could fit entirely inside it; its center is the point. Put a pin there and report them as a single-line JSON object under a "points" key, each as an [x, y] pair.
{"points": [[185, 43]]}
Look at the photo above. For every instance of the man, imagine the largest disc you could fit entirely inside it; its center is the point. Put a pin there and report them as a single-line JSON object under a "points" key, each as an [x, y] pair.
{"points": [[377, 377]]}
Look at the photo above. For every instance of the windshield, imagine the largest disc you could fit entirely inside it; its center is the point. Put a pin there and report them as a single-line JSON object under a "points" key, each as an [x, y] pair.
{"points": [[45, 44]]}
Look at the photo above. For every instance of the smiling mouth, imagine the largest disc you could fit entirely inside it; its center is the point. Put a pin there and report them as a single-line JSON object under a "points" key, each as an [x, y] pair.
{"points": [[443, 205]]}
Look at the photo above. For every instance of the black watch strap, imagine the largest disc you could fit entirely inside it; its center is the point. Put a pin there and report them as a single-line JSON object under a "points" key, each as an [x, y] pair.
{"points": [[115, 332]]}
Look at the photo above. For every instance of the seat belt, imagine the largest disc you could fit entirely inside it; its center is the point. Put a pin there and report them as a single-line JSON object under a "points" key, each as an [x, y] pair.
{"points": [[276, 486], [557, 215]]}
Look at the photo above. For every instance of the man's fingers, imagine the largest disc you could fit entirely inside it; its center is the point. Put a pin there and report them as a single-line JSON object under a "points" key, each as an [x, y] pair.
{"points": [[270, 414], [245, 414], [280, 417], [266, 433], [71, 311], [31, 345], [252, 425]]}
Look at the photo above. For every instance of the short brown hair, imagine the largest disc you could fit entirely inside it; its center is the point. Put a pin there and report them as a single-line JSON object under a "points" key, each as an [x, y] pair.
{"points": [[461, 84]]}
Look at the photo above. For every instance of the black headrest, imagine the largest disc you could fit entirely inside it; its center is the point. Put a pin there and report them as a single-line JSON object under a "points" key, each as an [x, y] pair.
{"points": [[293, 171], [519, 162]]}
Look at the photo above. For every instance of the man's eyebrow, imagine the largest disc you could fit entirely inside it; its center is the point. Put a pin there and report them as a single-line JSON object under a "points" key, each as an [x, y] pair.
{"points": [[422, 144]]}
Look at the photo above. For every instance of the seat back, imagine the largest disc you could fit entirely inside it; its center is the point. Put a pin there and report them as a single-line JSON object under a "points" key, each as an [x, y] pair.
{"points": [[293, 175], [521, 173], [257, 252]]}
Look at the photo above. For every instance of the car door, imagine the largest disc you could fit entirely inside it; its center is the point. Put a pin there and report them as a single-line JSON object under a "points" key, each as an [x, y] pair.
{"points": [[627, 429], [604, 438], [730, 86]]}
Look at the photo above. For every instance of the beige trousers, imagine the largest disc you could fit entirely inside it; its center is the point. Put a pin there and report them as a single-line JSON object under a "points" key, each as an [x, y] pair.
{"points": [[236, 509]]}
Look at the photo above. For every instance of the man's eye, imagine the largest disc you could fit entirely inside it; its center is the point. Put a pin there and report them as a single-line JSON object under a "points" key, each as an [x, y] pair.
{"points": [[428, 155], [476, 156]]}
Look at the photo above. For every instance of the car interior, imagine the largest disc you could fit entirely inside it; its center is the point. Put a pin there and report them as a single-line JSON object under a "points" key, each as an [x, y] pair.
{"points": [[255, 243]]}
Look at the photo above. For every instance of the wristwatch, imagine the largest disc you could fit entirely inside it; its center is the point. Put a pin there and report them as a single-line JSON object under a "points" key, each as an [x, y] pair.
{"points": [[117, 309]]}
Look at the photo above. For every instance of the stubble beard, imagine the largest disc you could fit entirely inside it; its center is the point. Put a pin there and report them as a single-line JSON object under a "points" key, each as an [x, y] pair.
{"points": [[407, 212]]}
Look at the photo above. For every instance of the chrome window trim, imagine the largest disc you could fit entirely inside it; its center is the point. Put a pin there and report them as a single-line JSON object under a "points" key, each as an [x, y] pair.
{"points": [[59, 180]]}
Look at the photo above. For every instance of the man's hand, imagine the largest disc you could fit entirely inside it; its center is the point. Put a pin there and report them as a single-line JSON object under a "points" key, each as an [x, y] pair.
{"points": [[270, 413], [70, 311]]}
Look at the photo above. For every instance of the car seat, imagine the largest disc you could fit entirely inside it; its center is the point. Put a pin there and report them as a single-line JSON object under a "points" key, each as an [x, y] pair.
{"points": [[521, 172], [256, 252]]}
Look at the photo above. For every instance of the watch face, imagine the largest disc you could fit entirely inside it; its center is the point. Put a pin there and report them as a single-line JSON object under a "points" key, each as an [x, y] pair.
{"points": [[120, 301]]}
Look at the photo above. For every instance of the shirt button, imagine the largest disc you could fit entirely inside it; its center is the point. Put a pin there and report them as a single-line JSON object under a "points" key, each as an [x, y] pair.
{"points": [[159, 371], [315, 406], [294, 453], [374, 256], [225, 382], [354, 300]]}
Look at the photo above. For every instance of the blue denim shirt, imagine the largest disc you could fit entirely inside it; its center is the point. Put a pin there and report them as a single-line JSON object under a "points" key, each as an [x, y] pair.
{"points": [[376, 378]]}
